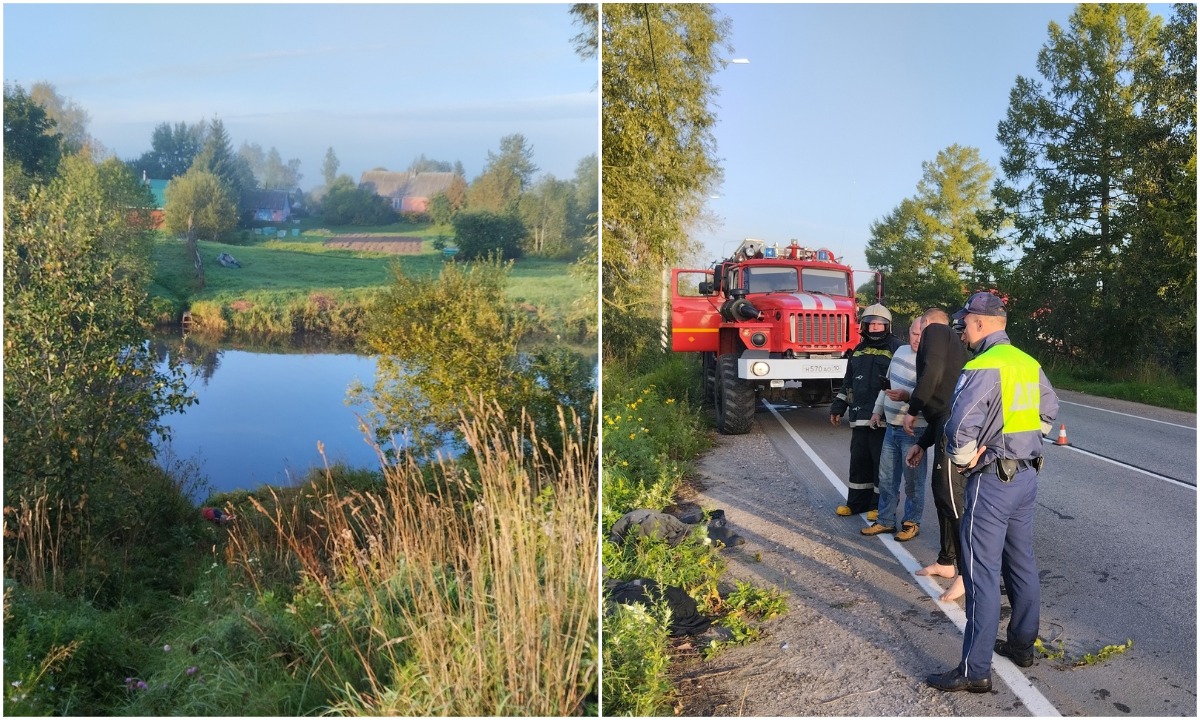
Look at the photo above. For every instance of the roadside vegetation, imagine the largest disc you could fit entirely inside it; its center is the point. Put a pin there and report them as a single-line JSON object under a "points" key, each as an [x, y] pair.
{"points": [[655, 426], [1147, 383]]}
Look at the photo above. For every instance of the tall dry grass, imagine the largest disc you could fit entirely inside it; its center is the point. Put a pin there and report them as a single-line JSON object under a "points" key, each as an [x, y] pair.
{"points": [[34, 540], [456, 592]]}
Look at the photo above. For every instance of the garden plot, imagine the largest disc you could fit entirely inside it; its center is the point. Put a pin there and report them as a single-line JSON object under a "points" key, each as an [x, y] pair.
{"points": [[393, 244]]}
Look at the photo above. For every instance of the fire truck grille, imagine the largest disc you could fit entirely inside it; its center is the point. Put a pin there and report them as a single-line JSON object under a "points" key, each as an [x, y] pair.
{"points": [[821, 330]]}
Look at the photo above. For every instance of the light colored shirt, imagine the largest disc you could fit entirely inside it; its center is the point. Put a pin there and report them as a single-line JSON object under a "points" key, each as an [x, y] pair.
{"points": [[903, 376]]}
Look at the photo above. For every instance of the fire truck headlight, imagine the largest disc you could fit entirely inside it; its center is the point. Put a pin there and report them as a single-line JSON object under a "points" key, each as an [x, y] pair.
{"points": [[760, 368], [758, 339]]}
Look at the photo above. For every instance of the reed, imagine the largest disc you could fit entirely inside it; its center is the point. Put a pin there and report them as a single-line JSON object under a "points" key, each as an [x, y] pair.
{"points": [[34, 540], [450, 592]]}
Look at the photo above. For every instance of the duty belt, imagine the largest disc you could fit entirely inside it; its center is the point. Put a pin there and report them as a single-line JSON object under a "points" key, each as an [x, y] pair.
{"points": [[1007, 469]]}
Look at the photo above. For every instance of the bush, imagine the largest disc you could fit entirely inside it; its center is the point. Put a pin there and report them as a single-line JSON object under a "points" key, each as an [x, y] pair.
{"points": [[636, 660], [346, 204], [63, 655], [483, 233]]}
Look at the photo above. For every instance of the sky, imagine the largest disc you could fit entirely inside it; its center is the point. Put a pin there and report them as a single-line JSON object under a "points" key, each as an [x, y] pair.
{"points": [[825, 130], [380, 84]]}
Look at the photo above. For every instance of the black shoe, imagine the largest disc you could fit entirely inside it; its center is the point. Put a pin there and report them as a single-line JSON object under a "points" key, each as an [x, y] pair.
{"points": [[954, 681], [1019, 659]]}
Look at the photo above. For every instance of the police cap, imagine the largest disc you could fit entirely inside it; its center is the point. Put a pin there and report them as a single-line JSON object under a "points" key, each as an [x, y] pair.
{"points": [[982, 303]]}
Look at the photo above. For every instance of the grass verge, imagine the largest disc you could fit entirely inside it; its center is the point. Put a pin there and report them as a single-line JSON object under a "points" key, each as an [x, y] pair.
{"points": [[1147, 383], [654, 428]]}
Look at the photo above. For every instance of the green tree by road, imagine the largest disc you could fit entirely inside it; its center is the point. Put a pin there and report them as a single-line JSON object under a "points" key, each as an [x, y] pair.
{"points": [[659, 155], [924, 245], [1099, 176]]}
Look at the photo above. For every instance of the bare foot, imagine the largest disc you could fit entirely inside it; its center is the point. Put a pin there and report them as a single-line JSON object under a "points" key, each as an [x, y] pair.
{"points": [[956, 591], [937, 570]]}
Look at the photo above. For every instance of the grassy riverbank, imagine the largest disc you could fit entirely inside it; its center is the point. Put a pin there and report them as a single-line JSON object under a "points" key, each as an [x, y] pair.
{"points": [[464, 589], [298, 285]]}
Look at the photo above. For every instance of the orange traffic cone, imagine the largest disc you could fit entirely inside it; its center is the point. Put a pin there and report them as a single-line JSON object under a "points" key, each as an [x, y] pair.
{"points": [[1062, 435]]}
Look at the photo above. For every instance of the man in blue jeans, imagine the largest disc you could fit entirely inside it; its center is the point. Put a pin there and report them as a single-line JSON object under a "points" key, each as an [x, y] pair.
{"points": [[892, 406]]}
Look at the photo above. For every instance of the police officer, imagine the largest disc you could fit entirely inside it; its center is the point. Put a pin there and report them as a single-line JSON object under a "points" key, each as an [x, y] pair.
{"points": [[1003, 406]]}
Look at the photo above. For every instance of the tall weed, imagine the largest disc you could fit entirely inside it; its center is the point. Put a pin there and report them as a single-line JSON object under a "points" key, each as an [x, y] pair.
{"points": [[456, 594]]}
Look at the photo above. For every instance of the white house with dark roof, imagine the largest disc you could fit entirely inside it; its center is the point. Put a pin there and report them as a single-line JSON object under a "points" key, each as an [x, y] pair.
{"points": [[407, 192]]}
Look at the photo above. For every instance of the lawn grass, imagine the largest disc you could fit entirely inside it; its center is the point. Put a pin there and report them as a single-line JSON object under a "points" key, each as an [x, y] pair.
{"points": [[281, 278]]}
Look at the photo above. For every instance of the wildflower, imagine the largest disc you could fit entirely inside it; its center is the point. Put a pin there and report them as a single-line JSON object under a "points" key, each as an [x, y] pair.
{"points": [[166, 648], [192, 670], [141, 685], [632, 436], [16, 683], [669, 401]]}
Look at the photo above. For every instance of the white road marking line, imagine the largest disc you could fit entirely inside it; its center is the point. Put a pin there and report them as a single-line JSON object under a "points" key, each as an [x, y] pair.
{"points": [[1034, 701], [1118, 463], [1138, 417]]}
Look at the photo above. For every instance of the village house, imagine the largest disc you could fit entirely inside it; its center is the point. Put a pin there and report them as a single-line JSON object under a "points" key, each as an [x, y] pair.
{"points": [[267, 205], [407, 192], [159, 189]]}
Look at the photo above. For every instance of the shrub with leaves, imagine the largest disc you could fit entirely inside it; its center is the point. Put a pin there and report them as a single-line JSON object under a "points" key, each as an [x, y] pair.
{"points": [[636, 661]]}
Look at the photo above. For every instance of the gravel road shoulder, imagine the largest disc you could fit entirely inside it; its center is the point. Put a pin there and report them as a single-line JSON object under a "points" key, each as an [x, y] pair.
{"points": [[849, 645]]}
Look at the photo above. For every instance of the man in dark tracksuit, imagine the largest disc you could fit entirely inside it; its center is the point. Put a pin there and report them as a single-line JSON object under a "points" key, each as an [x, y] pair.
{"points": [[1003, 407], [940, 359], [865, 376]]}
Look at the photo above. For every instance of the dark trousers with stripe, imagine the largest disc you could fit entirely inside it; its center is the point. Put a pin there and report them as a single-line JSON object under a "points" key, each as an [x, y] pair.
{"points": [[949, 488], [997, 541], [866, 445]]}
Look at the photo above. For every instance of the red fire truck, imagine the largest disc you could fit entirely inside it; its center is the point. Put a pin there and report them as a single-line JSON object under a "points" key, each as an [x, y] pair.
{"points": [[773, 323]]}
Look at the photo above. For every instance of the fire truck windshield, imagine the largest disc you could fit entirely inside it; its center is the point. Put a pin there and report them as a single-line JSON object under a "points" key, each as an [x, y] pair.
{"points": [[762, 279], [830, 282]]}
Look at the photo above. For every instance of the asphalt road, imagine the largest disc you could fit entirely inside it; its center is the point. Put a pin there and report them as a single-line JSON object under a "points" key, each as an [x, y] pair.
{"points": [[1115, 539]]}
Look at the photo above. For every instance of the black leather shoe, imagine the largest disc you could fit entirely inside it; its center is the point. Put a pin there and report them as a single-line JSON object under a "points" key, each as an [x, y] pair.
{"points": [[1019, 659], [954, 681]]}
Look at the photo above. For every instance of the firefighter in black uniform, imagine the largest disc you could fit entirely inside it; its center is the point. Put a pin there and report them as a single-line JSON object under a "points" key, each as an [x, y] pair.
{"points": [[866, 375]]}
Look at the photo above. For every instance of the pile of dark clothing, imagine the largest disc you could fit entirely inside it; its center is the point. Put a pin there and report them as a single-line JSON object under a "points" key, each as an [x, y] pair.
{"points": [[673, 525], [685, 615]]}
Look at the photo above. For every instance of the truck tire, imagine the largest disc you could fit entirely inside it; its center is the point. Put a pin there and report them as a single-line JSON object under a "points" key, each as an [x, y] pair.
{"points": [[735, 398], [708, 376]]}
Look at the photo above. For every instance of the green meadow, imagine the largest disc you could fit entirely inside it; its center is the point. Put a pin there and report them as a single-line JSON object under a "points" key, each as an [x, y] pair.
{"points": [[298, 285]]}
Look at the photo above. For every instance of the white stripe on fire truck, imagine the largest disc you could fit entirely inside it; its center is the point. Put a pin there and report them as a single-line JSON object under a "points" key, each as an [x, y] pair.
{"points": [[815, 302]]}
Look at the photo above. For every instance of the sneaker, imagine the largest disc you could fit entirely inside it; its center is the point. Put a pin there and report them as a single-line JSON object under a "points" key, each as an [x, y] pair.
{"points": [[877, 529], [908, 531], [872, 515], [844, 510]]}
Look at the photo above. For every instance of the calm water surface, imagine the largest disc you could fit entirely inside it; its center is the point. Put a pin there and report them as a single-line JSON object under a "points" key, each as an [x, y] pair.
{"points": [[261, 415]]}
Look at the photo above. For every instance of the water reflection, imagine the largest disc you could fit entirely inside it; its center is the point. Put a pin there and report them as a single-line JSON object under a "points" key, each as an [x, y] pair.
{"points": [[261, 414]]}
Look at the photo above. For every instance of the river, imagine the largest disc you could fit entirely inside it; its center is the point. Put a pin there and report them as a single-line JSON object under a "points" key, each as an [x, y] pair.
{"points": [[261, 414]]}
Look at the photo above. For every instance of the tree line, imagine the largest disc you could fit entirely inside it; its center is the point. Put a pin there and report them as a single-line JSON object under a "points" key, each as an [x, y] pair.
{"points": [[1088, 226], [506, 209]]}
